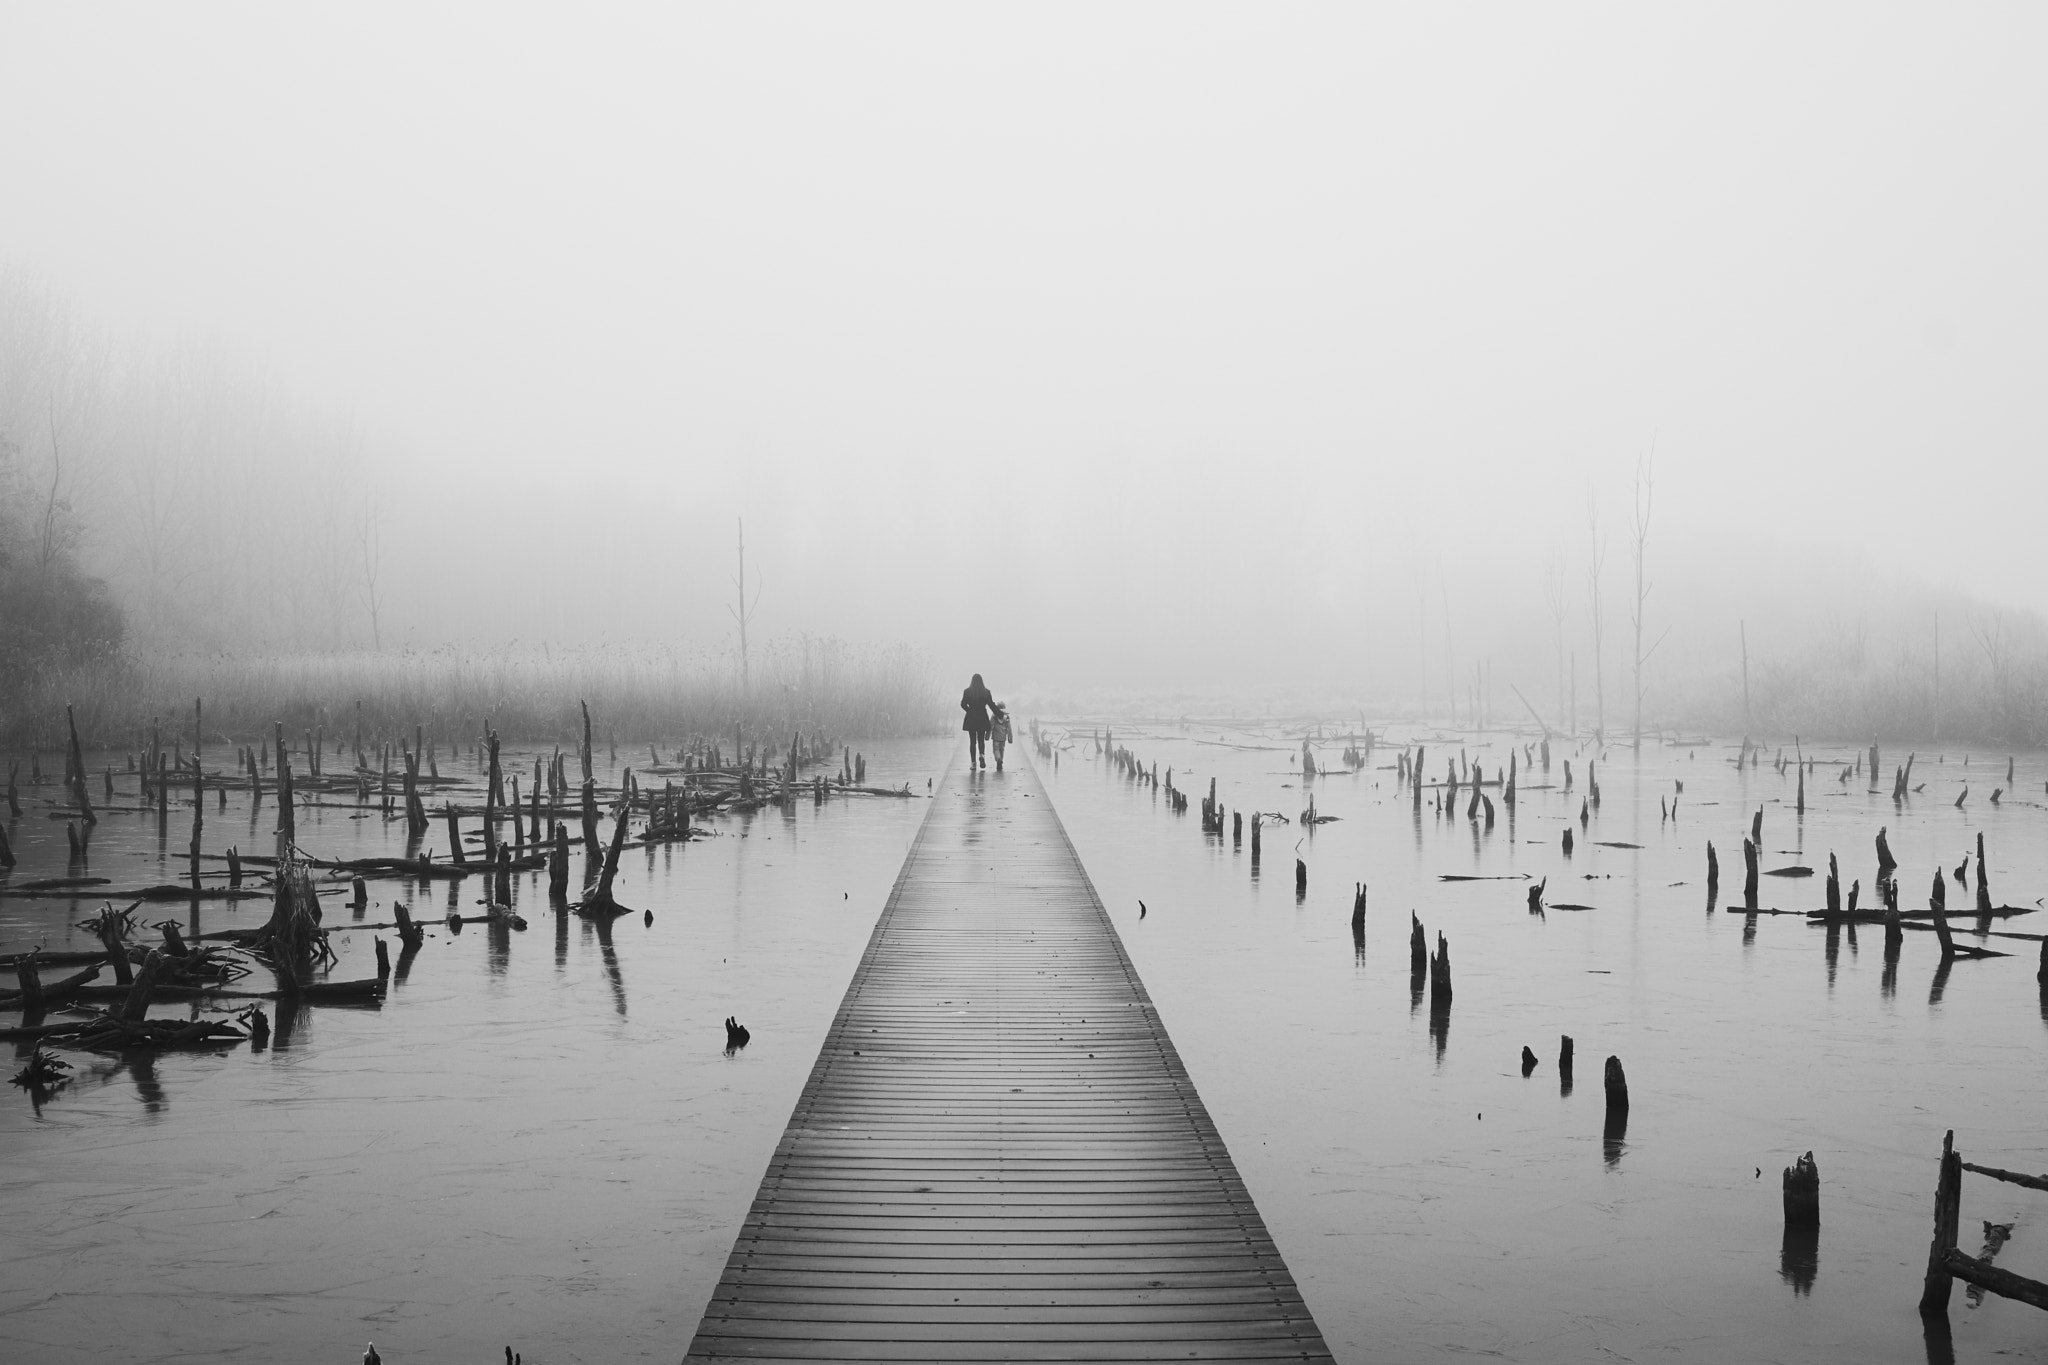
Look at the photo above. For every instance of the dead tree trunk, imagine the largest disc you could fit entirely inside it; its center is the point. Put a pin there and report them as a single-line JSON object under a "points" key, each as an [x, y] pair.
{"points": [[598, 900]]}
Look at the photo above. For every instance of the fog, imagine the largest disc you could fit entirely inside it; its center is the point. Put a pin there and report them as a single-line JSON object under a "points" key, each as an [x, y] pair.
{"points": [[1148, 348]]}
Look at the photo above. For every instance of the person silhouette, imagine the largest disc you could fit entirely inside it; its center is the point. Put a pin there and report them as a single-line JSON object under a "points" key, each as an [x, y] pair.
{"points": [[999, 733], [976, 701]]}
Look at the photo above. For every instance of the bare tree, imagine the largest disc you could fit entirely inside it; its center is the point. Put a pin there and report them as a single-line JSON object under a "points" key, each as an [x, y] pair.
{"points": [[744, 612], [1554, 589], [1450, 658], [1595, 563], [1641, 504], [370, 544], [1988, 629]]}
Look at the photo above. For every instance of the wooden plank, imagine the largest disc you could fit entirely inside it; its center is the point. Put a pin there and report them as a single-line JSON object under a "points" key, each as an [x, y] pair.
{"points": [[998, 1154]]}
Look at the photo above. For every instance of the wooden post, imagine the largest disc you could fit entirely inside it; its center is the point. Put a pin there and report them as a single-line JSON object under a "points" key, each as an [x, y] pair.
{"points": [[383, 961], [1713, 874], [287, 823], [1749, 873], [1617, 1091], [592, 850], [491, 800], [77, 764], [1300, 877], [455, 852], [137, 1003], [31, 981], [1440, 974], [1984, 906], [1802, 1193], [1948, 1201], [415, 808], [198, 819], [1937, 901], [1358, 909], [558, 864], [1418, 950], [1564, 1061]]}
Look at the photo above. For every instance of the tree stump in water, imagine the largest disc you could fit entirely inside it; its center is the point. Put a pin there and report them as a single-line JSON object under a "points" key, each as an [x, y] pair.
{"points": [[598, 900], [1802, 1193]]}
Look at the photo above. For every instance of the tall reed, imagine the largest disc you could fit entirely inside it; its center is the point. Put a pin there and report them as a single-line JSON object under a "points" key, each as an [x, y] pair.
{"points": [[637, 693]]}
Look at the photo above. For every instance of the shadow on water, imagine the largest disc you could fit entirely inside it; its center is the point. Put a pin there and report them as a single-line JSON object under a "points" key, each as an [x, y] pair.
{"points": [[1799, 1257]]}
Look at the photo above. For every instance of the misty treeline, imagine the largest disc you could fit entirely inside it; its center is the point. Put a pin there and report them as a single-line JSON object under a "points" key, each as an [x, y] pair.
{"points": [[173, 526], [1850, 654], [1929, 666], [635, 694], [215, 510]]}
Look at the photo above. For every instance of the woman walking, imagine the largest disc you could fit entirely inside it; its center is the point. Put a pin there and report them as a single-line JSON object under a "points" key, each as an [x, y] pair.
{"points": [[976, 701]]}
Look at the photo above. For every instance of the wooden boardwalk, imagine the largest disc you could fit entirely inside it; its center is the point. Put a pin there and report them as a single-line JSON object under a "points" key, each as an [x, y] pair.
{"points": [[998, 1155]]}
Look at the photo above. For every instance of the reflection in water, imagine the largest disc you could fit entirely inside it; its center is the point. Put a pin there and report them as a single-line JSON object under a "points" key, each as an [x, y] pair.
{"points": [[1749, 931], [603, 926], [1614, 1135], [1799, 1257], [560, 905], [1440, 1027], [1358, 941], [2044, 999], [1834, 950], [1940, 982], [141, 1065], [499, 933], [287, 1024]]}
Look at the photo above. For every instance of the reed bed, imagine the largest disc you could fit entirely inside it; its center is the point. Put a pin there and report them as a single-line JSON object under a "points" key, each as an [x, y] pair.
{"points": [[635, 693]]}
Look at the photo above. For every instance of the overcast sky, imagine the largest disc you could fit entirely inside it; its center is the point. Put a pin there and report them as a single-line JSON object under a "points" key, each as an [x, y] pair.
{"points": [[1064, 339]]}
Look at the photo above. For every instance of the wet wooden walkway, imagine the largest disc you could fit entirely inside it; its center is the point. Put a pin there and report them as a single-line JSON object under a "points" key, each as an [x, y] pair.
{"points": [[998, 1155]]}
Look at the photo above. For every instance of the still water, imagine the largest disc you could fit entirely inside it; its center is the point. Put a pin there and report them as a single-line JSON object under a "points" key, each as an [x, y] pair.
{"points": [[1436, 1205], [538, 1139]]}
